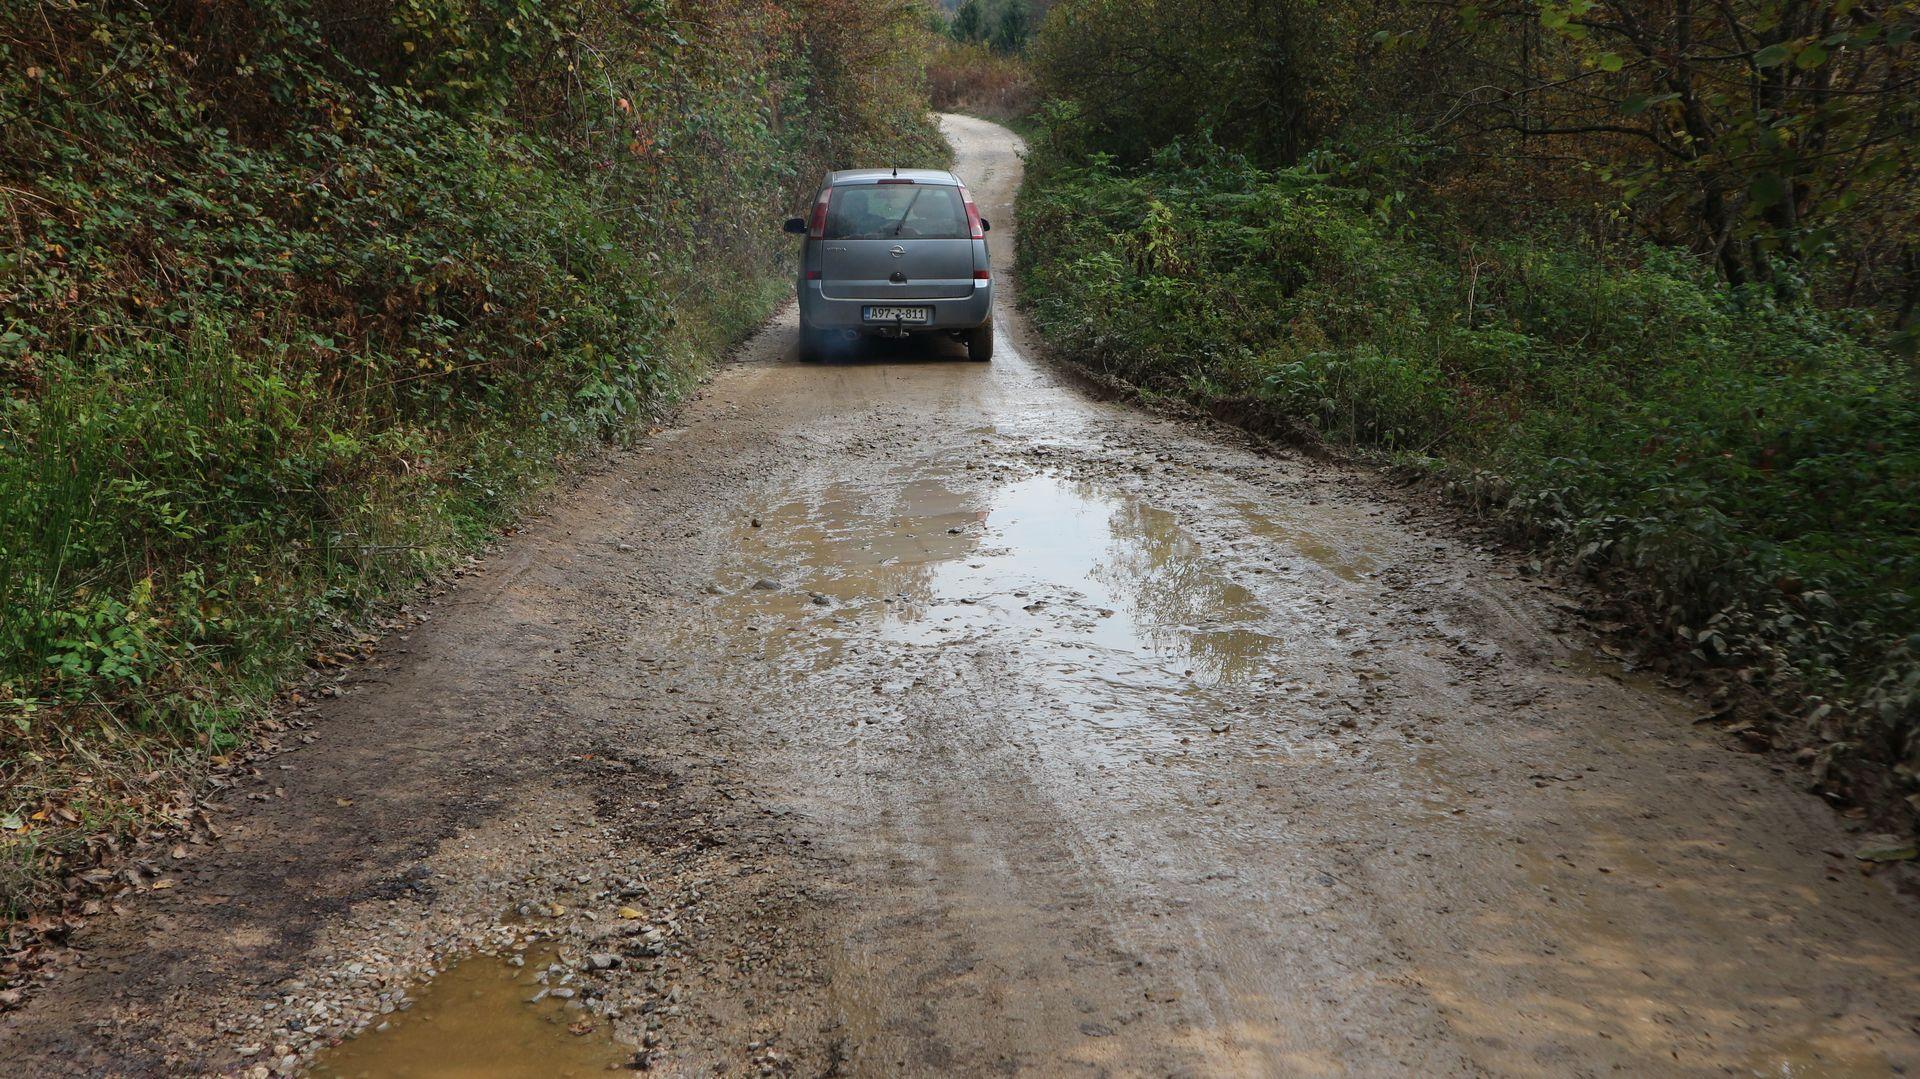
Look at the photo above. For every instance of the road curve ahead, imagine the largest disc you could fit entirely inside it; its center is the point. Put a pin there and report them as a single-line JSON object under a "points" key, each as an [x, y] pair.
{"points": [[907, 716]]}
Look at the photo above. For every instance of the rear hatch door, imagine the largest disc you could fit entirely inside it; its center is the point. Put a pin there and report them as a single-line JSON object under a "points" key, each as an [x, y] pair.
{"points": [[897, 240]]}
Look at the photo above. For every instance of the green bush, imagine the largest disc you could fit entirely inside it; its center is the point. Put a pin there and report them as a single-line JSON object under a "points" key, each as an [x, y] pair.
{"points": [[295, 305], [1755, 465]]}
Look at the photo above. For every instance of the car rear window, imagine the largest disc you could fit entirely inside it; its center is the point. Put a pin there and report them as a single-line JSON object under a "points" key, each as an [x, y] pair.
{"points": [[897, 211]]}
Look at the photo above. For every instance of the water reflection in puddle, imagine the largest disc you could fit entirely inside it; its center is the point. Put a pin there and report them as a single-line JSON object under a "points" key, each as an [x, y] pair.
{"points": [[1091, 572], [475, 1022], [1099, 596]]}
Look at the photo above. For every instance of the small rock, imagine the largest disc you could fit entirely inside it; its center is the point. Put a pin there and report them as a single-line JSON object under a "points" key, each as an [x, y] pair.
{"points": [[766, 584], [602, 961], [1886, 848]]}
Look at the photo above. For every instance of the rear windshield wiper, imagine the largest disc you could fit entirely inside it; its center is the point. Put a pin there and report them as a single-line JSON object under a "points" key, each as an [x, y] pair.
{"points": [[902, 223]]}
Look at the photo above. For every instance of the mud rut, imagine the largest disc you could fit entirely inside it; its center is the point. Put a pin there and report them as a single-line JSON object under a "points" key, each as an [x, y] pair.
{"points": [[908, 716]]}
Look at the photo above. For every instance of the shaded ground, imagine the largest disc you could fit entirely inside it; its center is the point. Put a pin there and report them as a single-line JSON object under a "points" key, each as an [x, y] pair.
{"points": [[907, 715]]}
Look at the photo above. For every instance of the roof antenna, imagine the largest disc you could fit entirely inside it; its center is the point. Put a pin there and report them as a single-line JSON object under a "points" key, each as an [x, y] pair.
{"points": [[896, 172]]}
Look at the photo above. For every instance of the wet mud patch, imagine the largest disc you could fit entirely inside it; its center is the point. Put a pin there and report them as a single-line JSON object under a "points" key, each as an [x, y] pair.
{"points": [[643, 804], [1191, 709]]}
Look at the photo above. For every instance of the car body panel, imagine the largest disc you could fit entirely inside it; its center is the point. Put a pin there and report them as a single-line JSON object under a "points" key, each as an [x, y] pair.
{"points": [[886, 270], [871, 254]]}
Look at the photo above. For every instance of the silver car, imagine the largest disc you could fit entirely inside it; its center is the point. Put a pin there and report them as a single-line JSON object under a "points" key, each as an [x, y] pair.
{"points": [[893, 252]]}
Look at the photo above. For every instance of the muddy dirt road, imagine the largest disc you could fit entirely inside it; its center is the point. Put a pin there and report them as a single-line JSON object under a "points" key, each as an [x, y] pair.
{"points": [[905, 715]]}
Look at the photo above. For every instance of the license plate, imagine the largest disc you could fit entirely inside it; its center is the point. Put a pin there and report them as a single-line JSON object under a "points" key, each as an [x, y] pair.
{"points": [[897, 314]]}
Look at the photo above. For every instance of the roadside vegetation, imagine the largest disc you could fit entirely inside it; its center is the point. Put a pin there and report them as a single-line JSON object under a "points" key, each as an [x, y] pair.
{"points": [[972, 78], [298, 297], [978, 62], [1638, 284]]}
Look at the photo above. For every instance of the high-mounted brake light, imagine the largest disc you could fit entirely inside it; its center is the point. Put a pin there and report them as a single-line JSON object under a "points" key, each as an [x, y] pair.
{"points": [[973, 216], [817, 230], [893, 181]]}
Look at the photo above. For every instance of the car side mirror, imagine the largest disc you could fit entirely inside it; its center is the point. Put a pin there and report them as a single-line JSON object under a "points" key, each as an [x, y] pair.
{"points": [[796, 225], [985, 225]]}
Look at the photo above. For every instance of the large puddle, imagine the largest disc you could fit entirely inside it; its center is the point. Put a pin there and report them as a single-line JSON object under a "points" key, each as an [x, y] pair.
{"points": [[1112, 584], [478, 1021], [1130, 621]]}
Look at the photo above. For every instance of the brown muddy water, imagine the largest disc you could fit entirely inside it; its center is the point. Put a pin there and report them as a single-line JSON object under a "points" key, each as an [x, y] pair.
{"points": [[477, 1020]]}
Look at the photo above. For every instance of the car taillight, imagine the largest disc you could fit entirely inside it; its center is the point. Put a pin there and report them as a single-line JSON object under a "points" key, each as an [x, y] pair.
{"points": [[813, 275], [973, 216], [818, 228], [981, 275]]}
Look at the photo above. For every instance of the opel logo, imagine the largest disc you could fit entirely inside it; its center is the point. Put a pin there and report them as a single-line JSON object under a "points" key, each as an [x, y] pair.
{"points": [[897, 251]]}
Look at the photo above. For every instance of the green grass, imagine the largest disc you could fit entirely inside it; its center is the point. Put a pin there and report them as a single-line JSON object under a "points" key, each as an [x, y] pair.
{"points": [[1756, 468]]}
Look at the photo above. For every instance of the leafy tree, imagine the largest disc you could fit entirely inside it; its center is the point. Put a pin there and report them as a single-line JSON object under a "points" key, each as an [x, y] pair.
{"points": [[1778, 139], [1757, 129], [1013, 28], [969, 22], [1253, 73], [1005, 25]]}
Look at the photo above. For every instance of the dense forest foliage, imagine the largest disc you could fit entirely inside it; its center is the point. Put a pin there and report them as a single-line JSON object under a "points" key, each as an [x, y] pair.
{"points": [[298, 296], [1777, 139], [1636, 277], [1006, 26]]}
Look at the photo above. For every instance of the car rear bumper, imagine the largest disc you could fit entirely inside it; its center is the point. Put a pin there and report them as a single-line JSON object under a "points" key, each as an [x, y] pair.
{"points": [[964, 313]]}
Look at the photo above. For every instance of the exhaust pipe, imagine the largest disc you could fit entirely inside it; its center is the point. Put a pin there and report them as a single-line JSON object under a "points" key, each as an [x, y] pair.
{"points": [[850, 336]]}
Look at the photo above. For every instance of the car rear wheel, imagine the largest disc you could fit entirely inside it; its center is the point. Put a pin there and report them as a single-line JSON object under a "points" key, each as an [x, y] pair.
{"points": [[980, 344]]}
